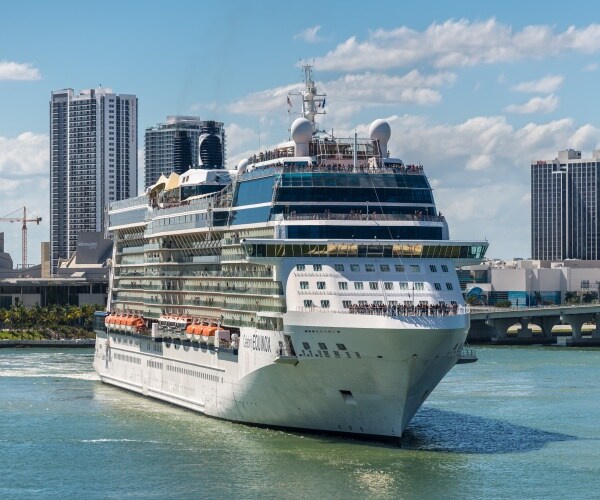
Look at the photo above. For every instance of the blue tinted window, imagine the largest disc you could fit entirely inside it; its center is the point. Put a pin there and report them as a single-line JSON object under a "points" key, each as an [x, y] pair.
{"points": [[255, 191]]}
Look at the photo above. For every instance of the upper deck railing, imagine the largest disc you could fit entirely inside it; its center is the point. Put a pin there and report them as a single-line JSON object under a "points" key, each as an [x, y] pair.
{"points": [[396, 311], [358, 216]]}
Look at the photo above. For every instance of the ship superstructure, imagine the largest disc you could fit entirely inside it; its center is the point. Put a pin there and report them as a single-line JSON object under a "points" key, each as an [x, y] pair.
{"points": [[313, 287]]}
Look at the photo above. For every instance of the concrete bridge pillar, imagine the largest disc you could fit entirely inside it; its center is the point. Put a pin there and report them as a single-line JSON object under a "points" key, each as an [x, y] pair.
{"points": [[546, 323], [501, 325], [525, 331], [596, 332], [576, 321]]}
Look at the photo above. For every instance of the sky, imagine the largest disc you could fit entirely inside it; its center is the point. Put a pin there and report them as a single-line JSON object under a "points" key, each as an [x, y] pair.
{"points": [[475, 91]]}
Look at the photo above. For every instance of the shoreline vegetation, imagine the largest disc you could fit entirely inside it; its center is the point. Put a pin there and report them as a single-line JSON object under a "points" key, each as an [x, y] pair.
{"points": [[53, 322]]}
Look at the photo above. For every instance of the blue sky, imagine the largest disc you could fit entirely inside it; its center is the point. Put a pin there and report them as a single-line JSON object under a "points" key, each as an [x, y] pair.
{"points": [[473, 90]]}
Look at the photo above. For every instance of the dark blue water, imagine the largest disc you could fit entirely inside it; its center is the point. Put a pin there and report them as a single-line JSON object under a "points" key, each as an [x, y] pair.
{"points": [[520, 423]]}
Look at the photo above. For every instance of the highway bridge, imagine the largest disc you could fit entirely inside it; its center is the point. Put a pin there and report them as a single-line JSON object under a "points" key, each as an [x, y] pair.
{"points": [[493, 322]]}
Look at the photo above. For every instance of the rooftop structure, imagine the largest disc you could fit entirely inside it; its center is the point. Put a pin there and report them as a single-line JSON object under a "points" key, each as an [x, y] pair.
{"points": [[181, 143]]}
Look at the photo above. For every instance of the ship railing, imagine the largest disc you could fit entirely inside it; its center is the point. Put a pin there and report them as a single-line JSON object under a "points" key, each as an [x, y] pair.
{"points": [[393, 312], [335, 167], [359, 216], [325, 164], [129, 202], [467, 356]]}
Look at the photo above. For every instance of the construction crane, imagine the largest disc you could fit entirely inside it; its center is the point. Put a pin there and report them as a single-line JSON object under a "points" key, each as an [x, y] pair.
{"points": [[24, 220]]}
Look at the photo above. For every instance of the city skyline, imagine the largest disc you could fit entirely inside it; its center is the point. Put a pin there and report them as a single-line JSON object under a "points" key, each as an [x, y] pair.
{"points": [[474, 92]]}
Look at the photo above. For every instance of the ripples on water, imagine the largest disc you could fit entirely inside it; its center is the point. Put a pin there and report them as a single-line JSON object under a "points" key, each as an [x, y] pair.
{"points": [[520, 423]]}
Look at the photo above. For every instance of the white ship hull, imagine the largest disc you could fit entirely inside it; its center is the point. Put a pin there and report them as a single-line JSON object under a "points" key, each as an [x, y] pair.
{"points": [[374, 387]]}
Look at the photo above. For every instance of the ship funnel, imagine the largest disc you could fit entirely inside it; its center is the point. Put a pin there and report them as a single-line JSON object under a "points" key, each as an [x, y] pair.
{"points": [[302, 130], [381, 132]]}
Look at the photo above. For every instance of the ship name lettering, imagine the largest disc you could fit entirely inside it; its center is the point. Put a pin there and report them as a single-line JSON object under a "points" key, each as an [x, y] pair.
{"points": [[261, 343]]}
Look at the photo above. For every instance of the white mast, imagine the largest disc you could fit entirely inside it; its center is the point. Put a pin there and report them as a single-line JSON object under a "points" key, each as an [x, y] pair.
{"points": [[313, 103]]}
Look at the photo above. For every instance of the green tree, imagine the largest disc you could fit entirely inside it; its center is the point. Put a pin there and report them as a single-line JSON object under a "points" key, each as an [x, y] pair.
{"points": [[571, 298]]}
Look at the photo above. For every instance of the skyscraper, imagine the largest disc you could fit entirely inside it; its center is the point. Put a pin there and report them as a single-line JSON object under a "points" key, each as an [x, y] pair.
{"points": [[183, 142], [565, 210], [93, 161]]}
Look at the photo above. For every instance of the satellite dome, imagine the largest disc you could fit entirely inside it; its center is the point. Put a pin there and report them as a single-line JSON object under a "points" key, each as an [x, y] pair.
{"points": [[380, 131], [301, 131], [242, 164]]}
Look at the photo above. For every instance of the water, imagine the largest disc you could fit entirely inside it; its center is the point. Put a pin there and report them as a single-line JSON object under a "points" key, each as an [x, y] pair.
{"points": [[519, 423]]}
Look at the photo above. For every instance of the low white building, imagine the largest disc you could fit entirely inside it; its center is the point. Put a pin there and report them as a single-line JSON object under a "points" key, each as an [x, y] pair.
{"points": [[530, 282]]}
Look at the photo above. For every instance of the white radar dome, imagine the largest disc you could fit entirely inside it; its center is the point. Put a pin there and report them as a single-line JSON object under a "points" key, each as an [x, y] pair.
{"points": [[380, 131], [301, 131], [242, 165]]}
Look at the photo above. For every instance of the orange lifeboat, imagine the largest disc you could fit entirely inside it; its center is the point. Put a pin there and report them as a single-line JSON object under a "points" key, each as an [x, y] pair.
{"points": [[108, 320], [138, 324], [133, 324], [208, 334]]}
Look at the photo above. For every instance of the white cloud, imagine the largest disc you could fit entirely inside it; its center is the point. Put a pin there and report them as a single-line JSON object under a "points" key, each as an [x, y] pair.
{"points": [[545, 85], [24, 155], [377, 88], [242, 142], [458, 43], [591, 67], [10, 70], [309, 35], [535, 105], [264, 101], [352, 93]]}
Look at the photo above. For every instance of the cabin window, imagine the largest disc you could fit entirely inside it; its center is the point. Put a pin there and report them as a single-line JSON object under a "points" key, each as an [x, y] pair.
{"points": [[354, 268], [437, 286], [432, 268], [403, 285], [339, 267], [304, 285], [388, 285], [358, 285], [325, 304], [343, 285], [347, 304], [449, 286], [317, 267], [370, 268], [419, 286], [415, 268], [373, 285], [320, 285], [308, 303], [300, 267], [385, 268], [444, 268], [399, 268]]}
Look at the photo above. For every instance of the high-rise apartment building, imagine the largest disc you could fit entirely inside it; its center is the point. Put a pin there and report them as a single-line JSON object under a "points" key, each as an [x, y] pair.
{"points": [[181, 143], [93, 161], [565, 210]]}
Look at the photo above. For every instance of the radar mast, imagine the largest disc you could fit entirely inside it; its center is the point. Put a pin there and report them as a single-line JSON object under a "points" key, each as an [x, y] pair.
{"points": [[313, 103]]}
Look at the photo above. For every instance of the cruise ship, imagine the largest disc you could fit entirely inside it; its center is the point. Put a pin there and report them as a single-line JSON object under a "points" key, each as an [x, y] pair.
{"points": [[313, 287]]}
